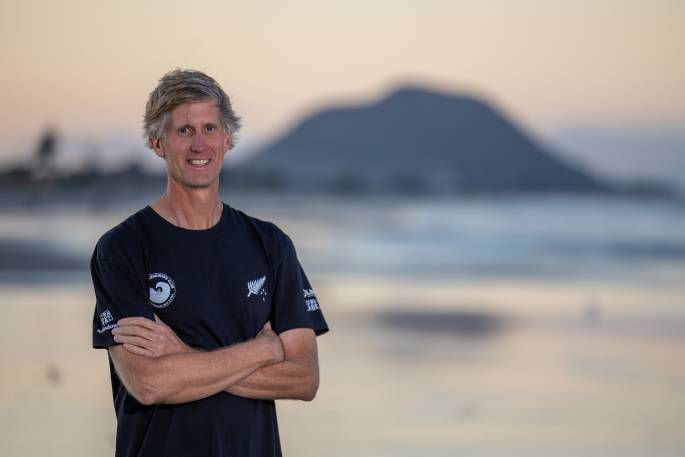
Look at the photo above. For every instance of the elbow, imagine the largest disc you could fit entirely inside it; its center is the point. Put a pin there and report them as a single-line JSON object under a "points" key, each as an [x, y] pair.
{"points": [[146, 398], [146, 379], [147, 388], [308, 396], [311, 388], [145, 392]]}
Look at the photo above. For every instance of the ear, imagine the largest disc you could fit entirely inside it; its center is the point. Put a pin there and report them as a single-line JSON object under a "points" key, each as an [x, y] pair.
{"points": [[227, 142], [157, 146]]}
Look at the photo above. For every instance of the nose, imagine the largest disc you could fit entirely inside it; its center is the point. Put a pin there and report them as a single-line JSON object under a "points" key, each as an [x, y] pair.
{"points": [[199, 144]]}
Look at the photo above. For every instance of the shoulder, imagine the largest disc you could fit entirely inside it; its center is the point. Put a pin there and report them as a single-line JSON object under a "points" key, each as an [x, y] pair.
{"points": [[120, 241], [274, 239]]}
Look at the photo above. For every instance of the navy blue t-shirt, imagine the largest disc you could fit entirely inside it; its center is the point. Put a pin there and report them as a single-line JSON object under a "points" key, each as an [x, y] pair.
{"points": [[214, 288]]}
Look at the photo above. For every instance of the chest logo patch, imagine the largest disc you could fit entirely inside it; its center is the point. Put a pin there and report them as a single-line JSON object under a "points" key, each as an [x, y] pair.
{"points": [[162, 290], [256, 287]]}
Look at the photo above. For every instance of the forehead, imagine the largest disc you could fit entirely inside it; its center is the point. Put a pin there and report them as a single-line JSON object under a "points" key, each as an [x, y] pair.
{"points": [[199, 112]]}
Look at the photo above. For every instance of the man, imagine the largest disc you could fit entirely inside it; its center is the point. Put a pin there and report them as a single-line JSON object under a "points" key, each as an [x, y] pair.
{"points": [[206, 312]]}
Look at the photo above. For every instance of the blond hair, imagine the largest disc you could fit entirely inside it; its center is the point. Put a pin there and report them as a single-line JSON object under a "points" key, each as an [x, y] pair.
{"points": [[181, 86]]}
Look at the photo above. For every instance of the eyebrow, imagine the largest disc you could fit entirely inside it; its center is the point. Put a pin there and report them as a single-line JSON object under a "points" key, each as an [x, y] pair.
{"points": [[213, 124]]}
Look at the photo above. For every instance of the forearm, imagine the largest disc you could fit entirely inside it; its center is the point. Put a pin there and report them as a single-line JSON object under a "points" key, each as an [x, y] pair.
{"points": [[185, 377], [296, 378]]}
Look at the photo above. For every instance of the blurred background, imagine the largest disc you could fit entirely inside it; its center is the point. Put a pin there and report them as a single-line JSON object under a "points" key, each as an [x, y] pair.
{"points": [[486, 196]]}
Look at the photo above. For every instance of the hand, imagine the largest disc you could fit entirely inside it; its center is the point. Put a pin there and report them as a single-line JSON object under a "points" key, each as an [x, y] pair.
{"points": [[274, 342], [142, 336]]}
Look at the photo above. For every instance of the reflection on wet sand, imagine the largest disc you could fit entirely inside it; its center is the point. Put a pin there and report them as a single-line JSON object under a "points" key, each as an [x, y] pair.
{"points": [[472, 324]]}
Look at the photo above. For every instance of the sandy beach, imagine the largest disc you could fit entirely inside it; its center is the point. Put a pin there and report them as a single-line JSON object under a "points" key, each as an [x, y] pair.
{"points": [[543, 384]]}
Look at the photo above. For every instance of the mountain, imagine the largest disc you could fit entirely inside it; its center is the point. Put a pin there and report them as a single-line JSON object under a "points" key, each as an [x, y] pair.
{"points": [[414, 140]]}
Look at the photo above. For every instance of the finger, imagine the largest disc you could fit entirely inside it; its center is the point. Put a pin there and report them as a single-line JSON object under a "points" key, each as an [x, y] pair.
{"points": [[138, 341], [138, 350], [136, 330], [161, 323], [149, 326], [134, 320], [142, 321], [167, 331], [267, 326]]}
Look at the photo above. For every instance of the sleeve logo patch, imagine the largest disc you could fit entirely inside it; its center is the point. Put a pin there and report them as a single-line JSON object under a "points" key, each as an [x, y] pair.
{"points": [[105, 318], [162, 290], [310, 299]]}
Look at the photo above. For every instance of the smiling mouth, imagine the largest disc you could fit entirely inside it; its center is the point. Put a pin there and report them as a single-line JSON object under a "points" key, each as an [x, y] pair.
{"points": [[198, 163]]}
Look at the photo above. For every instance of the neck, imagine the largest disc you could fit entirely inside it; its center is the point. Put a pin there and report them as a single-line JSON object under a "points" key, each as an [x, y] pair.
{"points": [[190, 208]]}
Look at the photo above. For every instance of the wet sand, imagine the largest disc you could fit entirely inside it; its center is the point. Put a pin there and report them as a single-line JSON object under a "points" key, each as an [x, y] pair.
{"points": [[408, 369]]}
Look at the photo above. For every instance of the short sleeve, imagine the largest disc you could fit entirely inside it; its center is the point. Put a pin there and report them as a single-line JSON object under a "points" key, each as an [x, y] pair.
{"points": [[119, 293], [294, 303]]}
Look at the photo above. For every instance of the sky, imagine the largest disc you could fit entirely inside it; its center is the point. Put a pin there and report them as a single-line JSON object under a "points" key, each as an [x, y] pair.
{"points": [[566, 70]]}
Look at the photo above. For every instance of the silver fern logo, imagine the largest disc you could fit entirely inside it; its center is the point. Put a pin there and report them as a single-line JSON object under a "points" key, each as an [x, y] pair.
{"points": [[256, 287]]}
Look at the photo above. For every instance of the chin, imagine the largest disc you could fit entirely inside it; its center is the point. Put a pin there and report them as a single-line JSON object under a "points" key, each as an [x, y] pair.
{"points": [[195, 184], [199, 185]]}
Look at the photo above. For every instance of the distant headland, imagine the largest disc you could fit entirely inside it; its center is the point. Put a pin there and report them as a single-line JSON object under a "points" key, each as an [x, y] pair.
{"points": [[412, 141]]}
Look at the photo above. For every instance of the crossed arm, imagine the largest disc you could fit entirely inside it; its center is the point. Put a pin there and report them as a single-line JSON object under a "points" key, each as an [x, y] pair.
{"points": [[157, 367]]}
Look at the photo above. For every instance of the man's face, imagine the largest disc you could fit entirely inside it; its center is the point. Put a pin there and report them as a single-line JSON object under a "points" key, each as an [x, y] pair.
{"points": [[194, 144]]}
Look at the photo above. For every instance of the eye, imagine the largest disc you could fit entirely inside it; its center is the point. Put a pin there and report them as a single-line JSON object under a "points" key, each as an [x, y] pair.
{"points": [[209, 128], [184, 131]]}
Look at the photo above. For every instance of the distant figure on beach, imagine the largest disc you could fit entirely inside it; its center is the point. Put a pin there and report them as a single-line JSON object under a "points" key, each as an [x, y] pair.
{"points": [[206, 312], [45, 154]]}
